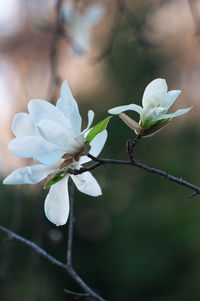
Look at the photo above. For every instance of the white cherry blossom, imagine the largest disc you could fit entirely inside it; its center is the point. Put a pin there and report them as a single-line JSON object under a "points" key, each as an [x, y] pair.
{"points": [[156, 102], [52, 136]]}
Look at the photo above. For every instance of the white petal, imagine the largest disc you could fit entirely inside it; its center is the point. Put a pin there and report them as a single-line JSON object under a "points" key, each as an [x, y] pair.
{"points": [[52, 132], [157, 88], [68, 106], [22, 125], [93, 14], [90, 120], [29, 174], [175, 114], [132, 107], [155, 113], [56, 204], [40, 109], [97, 145], [35, 147], [87, 184], [49, 158], [170, 98]]}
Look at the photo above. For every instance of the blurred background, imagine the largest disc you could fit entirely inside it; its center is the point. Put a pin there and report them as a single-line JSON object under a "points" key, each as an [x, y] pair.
{"points": [[140, 240]]}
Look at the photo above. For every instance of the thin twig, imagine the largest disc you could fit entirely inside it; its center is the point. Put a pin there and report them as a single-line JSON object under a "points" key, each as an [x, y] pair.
{"points": [[102, 161], [34, 246], [70, 226], [130, 147], [75, 294], [69, 269]]}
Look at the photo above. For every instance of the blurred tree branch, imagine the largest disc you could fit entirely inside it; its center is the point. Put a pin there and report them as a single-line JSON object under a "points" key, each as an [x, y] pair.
{"points": [[195, 15], [53, 56]]}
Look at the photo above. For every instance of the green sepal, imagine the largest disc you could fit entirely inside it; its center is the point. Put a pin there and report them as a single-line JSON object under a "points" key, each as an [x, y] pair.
{"points": [[98, 128], [57, 178]]}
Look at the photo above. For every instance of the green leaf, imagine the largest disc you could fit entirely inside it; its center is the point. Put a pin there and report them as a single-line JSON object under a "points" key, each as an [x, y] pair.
{"points": [[98, 128], [58, 177]]}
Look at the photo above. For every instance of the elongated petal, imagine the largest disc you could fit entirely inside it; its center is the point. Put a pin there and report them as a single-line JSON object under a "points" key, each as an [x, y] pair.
{"points": [[56, 204], [157, 88], [49, 158], [40, 109], [93, 14], [170, 98], [120, 109], [29, 174], [53, 133], [175, 114], [35, 147], [87, 184], [90, 120], [68, 106], [96, 145], [22, 125]]}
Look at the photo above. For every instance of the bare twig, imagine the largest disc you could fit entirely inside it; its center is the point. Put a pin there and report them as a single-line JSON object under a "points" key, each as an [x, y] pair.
{"points": [[70, 226], [130, 147], [133, 162], [69, 269], [76, 295]]}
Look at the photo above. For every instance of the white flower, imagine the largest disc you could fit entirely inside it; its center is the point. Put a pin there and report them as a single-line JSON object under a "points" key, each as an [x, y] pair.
{"points": [[156, 102], [79, 25], [52, 135]]}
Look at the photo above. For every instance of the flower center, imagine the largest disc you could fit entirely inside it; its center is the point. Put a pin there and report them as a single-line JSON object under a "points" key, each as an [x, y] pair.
{"points": [[70, 158]]}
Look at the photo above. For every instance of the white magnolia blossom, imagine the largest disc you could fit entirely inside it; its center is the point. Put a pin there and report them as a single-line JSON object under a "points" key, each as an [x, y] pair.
{"points": [[52, 136], [79, 25], [156, 102]]}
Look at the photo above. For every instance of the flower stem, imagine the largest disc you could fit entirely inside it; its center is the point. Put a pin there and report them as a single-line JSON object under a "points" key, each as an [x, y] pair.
{"points": [[70, 225]]}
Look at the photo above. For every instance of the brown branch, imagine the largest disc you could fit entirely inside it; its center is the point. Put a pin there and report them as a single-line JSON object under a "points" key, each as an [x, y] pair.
{"points": [[69, 269], [70, 226], [133, 162]]}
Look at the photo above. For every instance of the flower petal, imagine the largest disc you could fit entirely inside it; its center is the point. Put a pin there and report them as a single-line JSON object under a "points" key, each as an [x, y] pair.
{"points": [[154, 113], [53, 133], [87, 184], [56, 204], [22, 125], [40, 109], [49, 158], [68, 106], [175, 114], [35, 147], [157, 88], [29, 174], [90, 120], [132, 107], [170, 98], [96, 145]]}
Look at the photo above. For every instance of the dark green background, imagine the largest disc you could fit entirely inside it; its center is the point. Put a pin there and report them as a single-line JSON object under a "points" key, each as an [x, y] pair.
{"points": [[141, 239]]}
